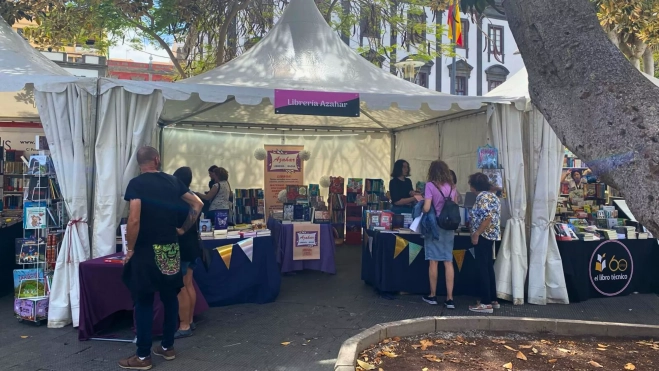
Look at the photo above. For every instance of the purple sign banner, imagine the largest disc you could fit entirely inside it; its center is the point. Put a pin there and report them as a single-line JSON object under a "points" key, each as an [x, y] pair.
{"points": [[316, 103]]}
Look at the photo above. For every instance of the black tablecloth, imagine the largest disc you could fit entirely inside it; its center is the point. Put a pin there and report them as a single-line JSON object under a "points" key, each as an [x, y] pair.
{"points": [[581, 276], [8, 236], [386, 274]]}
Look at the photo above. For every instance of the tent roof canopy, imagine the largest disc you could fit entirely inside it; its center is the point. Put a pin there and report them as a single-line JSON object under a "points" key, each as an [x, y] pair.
{"points": [[21, 64], [516, 90], [301, 52]]}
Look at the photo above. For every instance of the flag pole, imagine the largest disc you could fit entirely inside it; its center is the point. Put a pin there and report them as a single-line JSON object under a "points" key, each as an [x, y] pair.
{"points": [[453, 69]]}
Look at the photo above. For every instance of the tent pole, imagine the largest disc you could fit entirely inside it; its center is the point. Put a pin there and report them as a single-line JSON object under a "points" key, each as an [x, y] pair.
{"points": [[161, 141], [92, 161], [185, 117], [393, 150], [374, 120]]}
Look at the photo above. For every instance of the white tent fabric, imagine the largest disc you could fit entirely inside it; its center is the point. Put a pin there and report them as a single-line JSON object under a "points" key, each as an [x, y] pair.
{"points": [[510, 267], [127, 121], [65, 116], [301, 52], [546, 277]]}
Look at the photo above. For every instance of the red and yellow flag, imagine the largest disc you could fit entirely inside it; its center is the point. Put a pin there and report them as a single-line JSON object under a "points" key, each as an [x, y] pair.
{"points": [[454, 19]]}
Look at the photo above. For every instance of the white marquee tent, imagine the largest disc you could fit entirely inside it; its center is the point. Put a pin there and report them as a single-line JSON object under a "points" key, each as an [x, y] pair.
{"points": [[27, 77], [301, 52]]}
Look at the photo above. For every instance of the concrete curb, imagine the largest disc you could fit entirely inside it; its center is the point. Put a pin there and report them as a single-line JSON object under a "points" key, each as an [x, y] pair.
{"points": [[426, 325]]}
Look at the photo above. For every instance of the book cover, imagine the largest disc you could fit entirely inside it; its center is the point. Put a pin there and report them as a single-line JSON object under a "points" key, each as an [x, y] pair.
{"points": [[397, 222], [39, 165], [314, 190], [386, 220], [34, 215], [355, 185], [205, 225], [292, 192], [321, 217], [29, 283], [221, 219], [302, 193], [114, 260], [336, 185], [288, 211], [30, 251]]}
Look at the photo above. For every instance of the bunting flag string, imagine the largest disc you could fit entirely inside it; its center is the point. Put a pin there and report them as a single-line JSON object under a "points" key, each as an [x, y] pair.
{"points": [[401, 244], [248, 247], [459, 256], [473, 253], [225, 253], [414, 250]]}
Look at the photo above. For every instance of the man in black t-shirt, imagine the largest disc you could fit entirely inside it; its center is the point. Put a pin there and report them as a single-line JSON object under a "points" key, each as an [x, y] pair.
{"points": [[153, 262]]}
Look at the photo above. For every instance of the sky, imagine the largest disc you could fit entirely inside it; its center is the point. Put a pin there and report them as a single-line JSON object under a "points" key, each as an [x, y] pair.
{"points": [[126, 50]]}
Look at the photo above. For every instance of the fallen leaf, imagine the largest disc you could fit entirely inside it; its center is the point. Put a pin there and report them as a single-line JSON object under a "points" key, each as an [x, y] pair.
{"points": [[472, 344], [595, 364], [24, 337], [377, 360], [416, 346], [285, 343], [365, 359], [386, 341], [525, 346], [424, 369], [460, 339], [534, 351], [602, 349], [510, 348], [396, 339], [508, 366], [390, 354], [432, 358], [630, 366], [602, 346], [499, 341], [453, 360], [425, 344], [365, 366], [521, 356], [545, 341], [440, 341], [563, 350], [552, 361], [380, 369], [543, 353]]}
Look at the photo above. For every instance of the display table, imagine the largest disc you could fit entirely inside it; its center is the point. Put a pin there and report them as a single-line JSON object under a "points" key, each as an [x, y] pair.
{"points": [[283, 235], [386, 274], [257, 281], [625, 266], [103, 293]]}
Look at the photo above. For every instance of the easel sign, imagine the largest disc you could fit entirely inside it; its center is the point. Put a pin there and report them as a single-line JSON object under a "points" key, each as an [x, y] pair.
{"points": [[487, 157]]}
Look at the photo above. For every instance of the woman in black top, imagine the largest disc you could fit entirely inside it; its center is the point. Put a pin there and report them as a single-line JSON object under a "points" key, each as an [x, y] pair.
{"points": [[401, 192], [189, 247]]}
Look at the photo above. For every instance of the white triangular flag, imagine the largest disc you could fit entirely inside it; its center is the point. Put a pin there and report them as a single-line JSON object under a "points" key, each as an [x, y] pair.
{"points": [[248, 247], [473, 252], [370, 245]]}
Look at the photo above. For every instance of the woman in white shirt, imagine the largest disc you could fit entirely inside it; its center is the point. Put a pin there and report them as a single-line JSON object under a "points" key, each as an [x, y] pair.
{"points": [[220, 194]]}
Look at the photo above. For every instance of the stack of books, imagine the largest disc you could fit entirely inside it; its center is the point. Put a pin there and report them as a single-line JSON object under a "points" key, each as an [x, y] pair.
{"points": [[263, 233], [610, 234], [233, 234]]}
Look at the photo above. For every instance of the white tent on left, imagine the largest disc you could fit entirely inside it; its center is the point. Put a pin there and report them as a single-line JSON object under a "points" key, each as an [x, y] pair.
{"points": [[63, 106]]}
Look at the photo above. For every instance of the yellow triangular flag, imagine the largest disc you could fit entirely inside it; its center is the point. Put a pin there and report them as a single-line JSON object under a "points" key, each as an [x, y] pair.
{"points": [[459, 256], [225, 253], [401, 244]]}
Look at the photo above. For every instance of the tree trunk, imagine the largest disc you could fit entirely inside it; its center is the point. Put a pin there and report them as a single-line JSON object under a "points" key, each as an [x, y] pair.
{"points": [[224, 30], [603, 109], [648, 61]]}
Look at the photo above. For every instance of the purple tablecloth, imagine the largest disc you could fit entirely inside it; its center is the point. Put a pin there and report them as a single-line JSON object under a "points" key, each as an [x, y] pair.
{"points": [[102, 293], [283, 235]]}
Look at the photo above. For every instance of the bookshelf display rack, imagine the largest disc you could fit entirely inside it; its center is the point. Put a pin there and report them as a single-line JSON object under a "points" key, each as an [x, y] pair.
{"points": [[374, 189], [44, 219], [354, 211], [249, 205]]}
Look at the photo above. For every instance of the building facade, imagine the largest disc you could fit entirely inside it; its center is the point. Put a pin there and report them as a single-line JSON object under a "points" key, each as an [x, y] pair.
{"points": [[129, 70]]}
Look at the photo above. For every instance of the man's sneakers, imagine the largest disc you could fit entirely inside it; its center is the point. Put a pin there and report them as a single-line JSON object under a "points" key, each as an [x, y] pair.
{"points": [[432, 300], [168, 354], [136, 363], [449, 304]]}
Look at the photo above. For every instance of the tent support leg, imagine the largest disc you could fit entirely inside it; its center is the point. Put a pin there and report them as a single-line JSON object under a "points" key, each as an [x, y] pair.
{"points": [[161, 140], [393, 150]]}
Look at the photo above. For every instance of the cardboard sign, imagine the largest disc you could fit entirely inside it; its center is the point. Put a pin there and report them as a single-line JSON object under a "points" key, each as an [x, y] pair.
{"points": [[306, 241], [283, 166]]}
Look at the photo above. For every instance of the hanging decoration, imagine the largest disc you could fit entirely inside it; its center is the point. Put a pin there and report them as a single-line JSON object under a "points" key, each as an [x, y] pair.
{"points": [[225, 253], [401, 244], [248, 247], [260, 154], [324, 181], [487, 157], [459, 256], [414, 250], [305, 155], [473, 252]]}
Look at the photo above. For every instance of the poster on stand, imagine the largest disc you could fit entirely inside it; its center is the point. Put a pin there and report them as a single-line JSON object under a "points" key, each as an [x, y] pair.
{"points": [[306, 241], [283, 166]]}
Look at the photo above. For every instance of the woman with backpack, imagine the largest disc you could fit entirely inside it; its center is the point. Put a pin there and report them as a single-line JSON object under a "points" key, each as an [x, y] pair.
{"points": [[440, 192]]}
